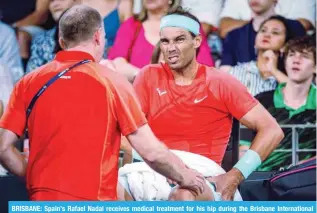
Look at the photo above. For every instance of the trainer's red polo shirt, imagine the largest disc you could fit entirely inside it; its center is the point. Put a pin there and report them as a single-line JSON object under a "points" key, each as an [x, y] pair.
{"points": [[74, 128], [196, 118]]}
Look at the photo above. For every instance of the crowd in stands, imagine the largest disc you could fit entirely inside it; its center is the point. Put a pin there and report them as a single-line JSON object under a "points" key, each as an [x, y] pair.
{"points": [[268, 45]]}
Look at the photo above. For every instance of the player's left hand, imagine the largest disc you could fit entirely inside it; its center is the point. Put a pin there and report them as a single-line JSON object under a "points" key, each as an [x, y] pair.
{"points": [[227, 184]]}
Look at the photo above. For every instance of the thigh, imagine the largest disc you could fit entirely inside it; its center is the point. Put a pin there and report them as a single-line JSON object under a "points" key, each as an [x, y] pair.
{"points": [[122, 193], [179, 193]]}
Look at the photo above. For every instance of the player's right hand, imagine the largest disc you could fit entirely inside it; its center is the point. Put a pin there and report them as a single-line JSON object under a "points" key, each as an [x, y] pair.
{"points": [[194, 181]]}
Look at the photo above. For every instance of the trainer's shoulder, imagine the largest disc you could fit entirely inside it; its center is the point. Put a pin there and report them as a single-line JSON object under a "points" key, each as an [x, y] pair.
{"points": [[39, 72]]}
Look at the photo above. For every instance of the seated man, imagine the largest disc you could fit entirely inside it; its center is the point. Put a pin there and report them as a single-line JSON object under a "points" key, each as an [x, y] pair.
{"points": [[235, 13], [45, 44], [293, 102], [9, 54], [28, 17], [190, 106], [244, 50]]}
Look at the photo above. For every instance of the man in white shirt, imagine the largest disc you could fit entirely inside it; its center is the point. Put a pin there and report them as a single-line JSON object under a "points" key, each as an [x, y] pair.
{"points": [[237, 13], [207, 11]]}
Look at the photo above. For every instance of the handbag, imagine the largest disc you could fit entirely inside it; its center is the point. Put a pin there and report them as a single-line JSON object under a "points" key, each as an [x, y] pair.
{"points": [[297, 183]]}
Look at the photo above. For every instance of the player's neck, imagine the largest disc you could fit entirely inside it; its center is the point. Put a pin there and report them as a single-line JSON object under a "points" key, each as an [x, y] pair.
{"points": [[295, 95], [186, 75]]}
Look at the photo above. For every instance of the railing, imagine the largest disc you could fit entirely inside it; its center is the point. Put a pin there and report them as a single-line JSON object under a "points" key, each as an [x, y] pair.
{"points": [[295, 140]]}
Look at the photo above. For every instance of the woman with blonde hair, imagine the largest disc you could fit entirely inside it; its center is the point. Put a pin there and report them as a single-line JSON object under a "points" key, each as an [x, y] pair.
{"points": [[137, 37]]}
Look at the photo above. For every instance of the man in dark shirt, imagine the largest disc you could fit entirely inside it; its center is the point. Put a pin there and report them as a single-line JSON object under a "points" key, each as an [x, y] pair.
{"points": [[238, 46]]}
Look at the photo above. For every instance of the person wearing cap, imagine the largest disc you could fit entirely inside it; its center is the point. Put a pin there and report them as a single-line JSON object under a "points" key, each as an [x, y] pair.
{"points": [[80, 110], [190, 106]]}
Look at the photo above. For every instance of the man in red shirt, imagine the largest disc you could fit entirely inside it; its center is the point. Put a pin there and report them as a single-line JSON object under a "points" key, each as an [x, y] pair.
{"points": [[190, 106], [76, 123]]}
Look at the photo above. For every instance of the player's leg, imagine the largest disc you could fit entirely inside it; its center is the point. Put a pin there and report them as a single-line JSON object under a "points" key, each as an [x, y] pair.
{"points": [[123, 194], [179, 193]]}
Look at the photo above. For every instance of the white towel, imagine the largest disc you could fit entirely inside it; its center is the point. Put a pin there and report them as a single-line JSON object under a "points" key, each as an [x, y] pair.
{"points": [[146, 184]]}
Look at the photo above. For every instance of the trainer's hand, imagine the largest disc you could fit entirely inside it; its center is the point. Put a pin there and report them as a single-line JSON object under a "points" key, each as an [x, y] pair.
{"points": [[227, 184], [193, 181]]}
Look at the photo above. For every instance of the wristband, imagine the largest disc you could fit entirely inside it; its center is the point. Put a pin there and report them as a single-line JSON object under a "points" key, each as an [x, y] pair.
{"points": [[248, 163]]}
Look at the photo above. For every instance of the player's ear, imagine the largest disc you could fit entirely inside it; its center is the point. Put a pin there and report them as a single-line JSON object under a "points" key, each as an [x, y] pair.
{"points": [[197, 41]]}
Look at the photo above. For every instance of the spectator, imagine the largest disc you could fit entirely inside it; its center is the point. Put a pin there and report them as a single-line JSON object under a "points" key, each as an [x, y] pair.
{"points": [[26, 16], [114, 12], [9, 52], [6, 86], [207, 12], [237, 13], [243, 51], [45, 43], [138, 36], [293, 102], [157, 56], [263, 73]]}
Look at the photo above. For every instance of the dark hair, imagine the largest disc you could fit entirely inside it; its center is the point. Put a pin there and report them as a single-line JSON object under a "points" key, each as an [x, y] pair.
{"points": [[156, 54], [184, 12], [78, 24], [289, 33], [56, 36], [142, 16], [300, 44]]}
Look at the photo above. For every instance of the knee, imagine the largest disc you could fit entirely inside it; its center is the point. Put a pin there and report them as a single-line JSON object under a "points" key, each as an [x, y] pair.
{"points": [[181, 194]]}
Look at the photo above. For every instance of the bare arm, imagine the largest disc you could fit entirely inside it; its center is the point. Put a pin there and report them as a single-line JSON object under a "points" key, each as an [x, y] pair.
{"points": [[269, 134], [228, 24], [280, 76], [306, 24], [123, 67], [160, 159], [38, 17], [156, 154], [10, 157]]}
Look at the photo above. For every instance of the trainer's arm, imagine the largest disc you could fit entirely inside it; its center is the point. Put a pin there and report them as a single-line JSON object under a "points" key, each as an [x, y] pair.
{"points": [[10, 157], [123, 67], [156, 154]]}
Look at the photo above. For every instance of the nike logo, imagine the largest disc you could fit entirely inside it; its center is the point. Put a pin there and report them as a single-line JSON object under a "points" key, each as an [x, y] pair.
{"points": [[200, 100], [161, 92]]}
